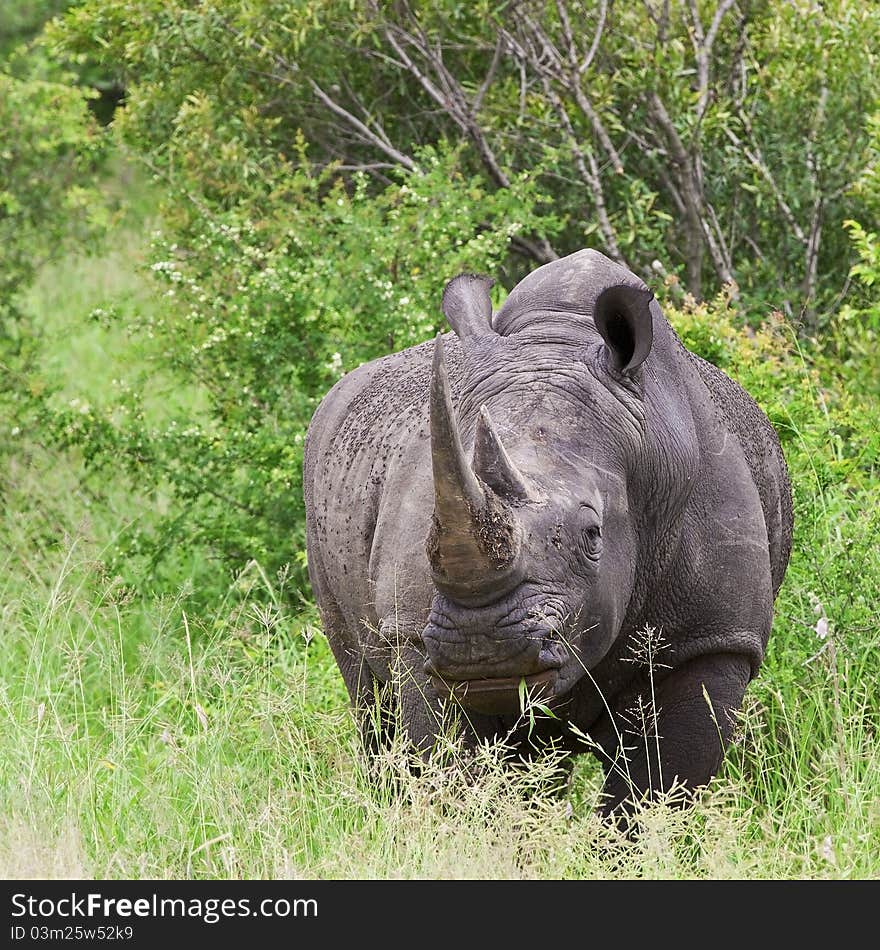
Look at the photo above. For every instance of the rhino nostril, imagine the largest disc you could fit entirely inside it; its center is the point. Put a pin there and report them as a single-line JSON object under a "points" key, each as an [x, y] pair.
{"points": [[552, 653]]}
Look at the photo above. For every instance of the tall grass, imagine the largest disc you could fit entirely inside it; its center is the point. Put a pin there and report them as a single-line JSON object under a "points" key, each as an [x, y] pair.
{"points": [[138, 741]]}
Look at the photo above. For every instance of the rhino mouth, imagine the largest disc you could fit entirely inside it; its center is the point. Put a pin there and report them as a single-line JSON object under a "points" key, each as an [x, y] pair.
{"points": [[497, 695], [480, 657]]}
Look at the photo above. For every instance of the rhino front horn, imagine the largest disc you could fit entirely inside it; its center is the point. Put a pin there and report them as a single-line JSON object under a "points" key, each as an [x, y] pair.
{"points": [[474, 542]]}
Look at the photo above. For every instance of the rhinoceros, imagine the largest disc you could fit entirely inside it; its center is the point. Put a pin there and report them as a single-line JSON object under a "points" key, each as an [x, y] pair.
{"points": [[514, 514]]}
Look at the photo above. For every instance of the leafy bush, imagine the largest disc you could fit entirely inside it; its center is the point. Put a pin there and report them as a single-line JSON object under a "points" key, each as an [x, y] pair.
{"points": [[854, 332], [157, 728], [50, 152], [286, 262], [721, 139]]}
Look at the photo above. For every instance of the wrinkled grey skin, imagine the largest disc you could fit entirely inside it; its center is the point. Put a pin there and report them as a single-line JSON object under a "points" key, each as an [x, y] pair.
{"points": [[637, 487]]}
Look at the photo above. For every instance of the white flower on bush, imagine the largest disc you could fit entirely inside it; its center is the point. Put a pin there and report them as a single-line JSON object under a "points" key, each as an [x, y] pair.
{"points": [[335, 364], [821, 626]]}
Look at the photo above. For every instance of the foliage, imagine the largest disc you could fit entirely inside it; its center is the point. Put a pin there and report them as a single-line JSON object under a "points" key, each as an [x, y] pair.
{"points": [[721, 138], [160, 737], [304, 231], [158, 717], [48, 160], [825, 637], [50, 201], [50, 150], [151, 740], [832, 449], [21, 22], [854, 332]]}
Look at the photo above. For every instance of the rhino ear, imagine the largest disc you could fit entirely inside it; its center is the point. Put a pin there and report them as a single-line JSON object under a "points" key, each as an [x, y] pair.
{"points": [[467, 305], [623, 317]]}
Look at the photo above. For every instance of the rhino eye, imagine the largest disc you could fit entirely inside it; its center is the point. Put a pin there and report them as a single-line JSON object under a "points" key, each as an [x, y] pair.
{"points": [[591, 541]]}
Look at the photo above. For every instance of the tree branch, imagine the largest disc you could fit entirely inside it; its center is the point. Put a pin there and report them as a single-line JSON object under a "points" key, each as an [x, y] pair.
{"points": [[703, 43], [590, 176], [490, 75], [756, 160], [600, 29], [380, 141], [700, 216]]}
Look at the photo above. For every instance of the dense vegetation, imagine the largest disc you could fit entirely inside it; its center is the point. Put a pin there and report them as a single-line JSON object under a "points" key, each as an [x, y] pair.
{"points": [[281, 196]]}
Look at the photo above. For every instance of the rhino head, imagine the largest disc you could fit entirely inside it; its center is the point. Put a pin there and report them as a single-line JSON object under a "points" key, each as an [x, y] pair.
{"points": [[533, 540]]}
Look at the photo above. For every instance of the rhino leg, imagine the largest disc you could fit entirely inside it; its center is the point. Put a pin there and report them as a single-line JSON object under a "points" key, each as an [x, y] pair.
{"points": [[689, 733], [416, 701], [370, 702]]}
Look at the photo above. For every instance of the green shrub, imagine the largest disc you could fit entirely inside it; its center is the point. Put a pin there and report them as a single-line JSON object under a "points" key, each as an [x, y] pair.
{"points": [[50, 151]]}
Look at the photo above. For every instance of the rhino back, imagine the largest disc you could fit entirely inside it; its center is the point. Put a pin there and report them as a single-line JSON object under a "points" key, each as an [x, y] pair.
{"points": [[763, 455]]}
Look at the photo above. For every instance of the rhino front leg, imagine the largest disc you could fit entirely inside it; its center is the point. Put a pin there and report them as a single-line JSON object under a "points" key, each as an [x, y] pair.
{"points": [[684, 743], [417, 709], [421, 710]]}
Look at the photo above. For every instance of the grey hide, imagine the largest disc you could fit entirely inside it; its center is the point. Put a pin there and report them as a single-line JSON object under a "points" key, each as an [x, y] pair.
{"points": [[522, 501]]}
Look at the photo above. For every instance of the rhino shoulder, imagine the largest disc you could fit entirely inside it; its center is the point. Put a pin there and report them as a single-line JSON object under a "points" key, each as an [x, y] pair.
{"points": [[366, 417], [744, 418]]}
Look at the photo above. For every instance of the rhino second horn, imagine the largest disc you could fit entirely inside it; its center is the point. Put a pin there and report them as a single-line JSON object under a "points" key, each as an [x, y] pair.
{"points": [[492, 463], [474, 541]]}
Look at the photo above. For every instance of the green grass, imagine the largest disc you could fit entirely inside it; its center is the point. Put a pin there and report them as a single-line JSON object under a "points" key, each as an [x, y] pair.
{"points": [[149, 736], [139, 741]]}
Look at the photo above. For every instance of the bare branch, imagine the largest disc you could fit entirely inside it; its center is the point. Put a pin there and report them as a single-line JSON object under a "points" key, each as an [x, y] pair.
{"points": [[838, 300], [361, 167], [523, 88], [600, 29], [586, 106], [672, 190], [570, 45], [809, 285], [700, 215], [290, 69], [590, 175], [703, 43], [446, 90], [490, 75], [440, 85], [751, 243], [538, 250], [816, 218], [453, 101], [756, 160], [660, 18], [379, 140], [712, 32], [547, 63], [652, 13], [717, 234], [422, 78]]}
